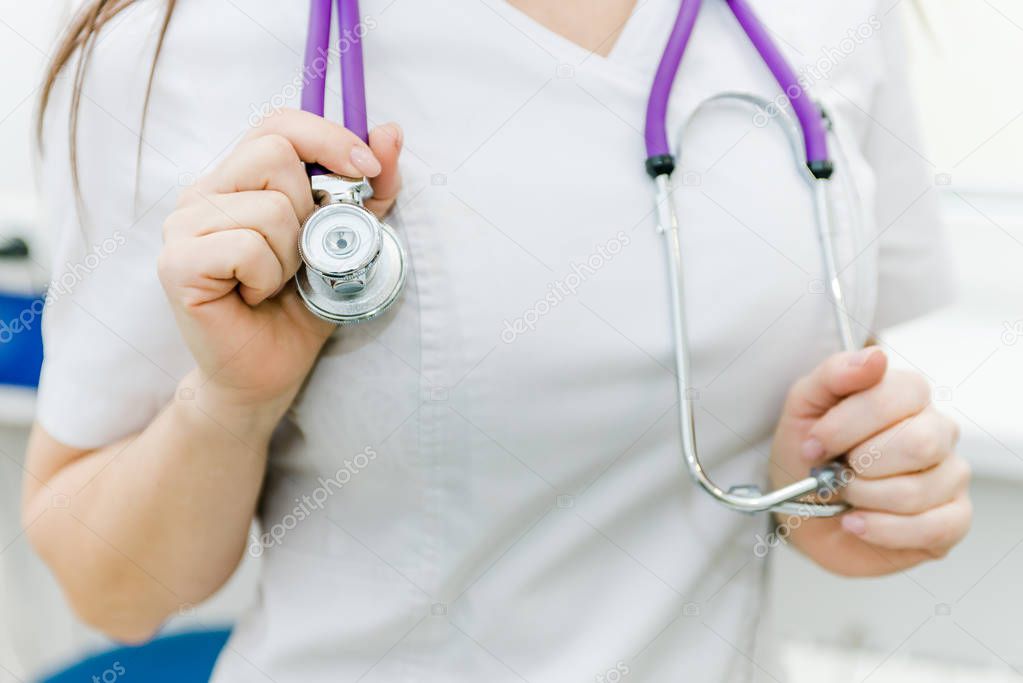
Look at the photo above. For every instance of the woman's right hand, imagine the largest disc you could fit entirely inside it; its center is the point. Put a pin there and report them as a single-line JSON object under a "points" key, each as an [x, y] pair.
{"points": [[231, 251], [163, 524]]}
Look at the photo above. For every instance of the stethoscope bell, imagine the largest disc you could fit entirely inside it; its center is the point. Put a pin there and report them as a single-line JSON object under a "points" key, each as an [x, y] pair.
{"points": [[354, 264]]}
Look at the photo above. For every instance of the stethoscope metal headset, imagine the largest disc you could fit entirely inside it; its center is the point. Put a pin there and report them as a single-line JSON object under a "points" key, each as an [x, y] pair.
{"points": [[355, 265]]}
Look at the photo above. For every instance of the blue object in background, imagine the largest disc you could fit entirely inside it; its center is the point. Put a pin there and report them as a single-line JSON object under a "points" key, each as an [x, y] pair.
{"points": [[178, 658], [21, 341]]}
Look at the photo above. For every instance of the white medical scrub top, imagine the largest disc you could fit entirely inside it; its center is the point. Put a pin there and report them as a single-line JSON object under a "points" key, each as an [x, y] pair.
{"points": [[485, 484]]}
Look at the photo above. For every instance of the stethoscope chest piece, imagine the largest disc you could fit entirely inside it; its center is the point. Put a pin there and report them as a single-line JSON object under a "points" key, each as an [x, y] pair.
{"points": [[354, 266]]}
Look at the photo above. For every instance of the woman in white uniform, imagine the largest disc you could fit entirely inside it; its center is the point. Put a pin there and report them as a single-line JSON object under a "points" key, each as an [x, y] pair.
{"points": [[485, 483]]}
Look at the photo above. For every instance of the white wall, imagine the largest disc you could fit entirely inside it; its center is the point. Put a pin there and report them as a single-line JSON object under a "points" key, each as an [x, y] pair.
{"points": [[26, 36], [966, 71], [965, 68]]}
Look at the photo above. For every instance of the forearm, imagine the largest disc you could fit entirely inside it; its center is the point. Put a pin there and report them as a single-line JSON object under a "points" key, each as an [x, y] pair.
{"points": [[135, 530]]}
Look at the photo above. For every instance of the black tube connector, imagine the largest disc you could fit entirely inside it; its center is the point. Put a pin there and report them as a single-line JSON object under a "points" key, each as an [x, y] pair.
{"points": [[821, 170], [662, 164]]}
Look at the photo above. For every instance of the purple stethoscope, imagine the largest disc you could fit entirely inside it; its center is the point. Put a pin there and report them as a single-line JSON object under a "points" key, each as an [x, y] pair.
{"points": [[813, 126], [355, 265]]}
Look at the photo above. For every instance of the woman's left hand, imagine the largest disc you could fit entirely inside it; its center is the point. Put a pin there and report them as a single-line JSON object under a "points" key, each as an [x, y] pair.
{"points": [[907, 487]]}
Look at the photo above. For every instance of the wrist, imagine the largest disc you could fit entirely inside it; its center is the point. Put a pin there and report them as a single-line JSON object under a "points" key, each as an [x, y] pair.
{"points": [[250, 421]]}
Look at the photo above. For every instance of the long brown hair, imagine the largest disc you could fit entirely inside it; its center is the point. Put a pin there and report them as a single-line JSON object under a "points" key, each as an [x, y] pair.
{"points": [[80, 37]]}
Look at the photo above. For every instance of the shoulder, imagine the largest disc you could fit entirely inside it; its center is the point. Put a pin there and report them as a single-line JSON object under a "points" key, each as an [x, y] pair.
{"points": [[848, 54], [219, 61], [113, 85]]}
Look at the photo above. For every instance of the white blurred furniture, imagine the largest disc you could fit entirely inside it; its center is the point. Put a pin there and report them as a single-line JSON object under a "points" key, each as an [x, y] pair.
{"points": [[964, 609]]}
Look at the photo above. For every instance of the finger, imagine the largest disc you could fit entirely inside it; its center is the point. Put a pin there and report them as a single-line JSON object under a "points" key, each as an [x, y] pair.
{"points": [[913, 445], [198, 271], [862, 415], [266, 163], [934, 531], [386, 142], [838, 376], [268, 212], [911, 494], [317, 140]]}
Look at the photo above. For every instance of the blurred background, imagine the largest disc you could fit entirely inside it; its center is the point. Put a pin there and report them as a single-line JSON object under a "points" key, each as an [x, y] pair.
{"points": [[950, 621]]}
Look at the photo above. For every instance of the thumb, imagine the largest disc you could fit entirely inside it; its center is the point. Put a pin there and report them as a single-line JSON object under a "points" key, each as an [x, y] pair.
{"points": [[386, 142], [317, 330], [840, 375]]}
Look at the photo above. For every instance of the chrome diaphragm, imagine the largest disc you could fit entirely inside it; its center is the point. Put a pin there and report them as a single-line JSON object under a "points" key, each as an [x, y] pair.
{"points": [[354, 265]]}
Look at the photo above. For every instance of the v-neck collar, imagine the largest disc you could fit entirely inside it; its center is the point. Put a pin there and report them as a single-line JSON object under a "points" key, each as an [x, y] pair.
{"points": [[633, 36]]}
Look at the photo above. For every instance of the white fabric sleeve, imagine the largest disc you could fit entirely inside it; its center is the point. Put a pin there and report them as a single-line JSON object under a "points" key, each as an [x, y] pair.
{"points": [[112, 352], [915, 274]]}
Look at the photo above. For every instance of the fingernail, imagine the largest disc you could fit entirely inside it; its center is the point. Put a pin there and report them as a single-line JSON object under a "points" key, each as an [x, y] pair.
{"points": [[398, 135], [854, 524], [812, 449], [364, 160], [860, 358]]}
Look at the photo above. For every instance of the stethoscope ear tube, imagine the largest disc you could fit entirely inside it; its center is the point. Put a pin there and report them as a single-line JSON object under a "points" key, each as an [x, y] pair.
{"points": [[822, 483], [789, 499], [819, 183]]}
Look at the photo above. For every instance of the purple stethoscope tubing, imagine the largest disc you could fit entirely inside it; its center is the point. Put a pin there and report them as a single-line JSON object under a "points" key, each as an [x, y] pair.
{"points": [[353, 75], [810, 119], [353, 79], [791, 498], [353, 83], [656, 132], [794, 498]]}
